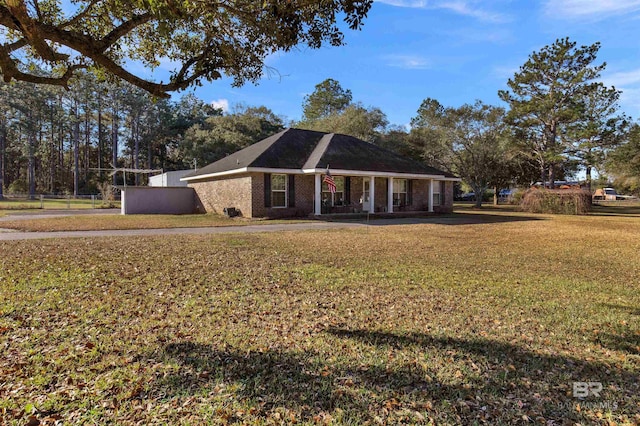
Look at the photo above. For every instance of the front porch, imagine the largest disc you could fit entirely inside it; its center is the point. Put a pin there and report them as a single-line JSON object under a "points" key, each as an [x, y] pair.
{"points": [[329, 217], [357, 208], [361, 194]]}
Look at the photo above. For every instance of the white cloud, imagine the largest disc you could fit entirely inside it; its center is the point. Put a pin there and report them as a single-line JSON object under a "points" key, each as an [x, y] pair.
{"points": [[630, 102], [623, 78], [590, 9], [168, 64], [411, 62], [471, 35], [405, 3], [503, 72], [222, 104], [629, 83], [461, 7]]}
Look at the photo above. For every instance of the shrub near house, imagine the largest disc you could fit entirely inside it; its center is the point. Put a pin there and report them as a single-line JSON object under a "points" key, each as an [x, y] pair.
{"points": [[556, 201]]}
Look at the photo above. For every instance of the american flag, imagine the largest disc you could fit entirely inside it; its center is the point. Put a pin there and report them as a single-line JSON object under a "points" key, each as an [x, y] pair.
{"points": [[328, 179]]}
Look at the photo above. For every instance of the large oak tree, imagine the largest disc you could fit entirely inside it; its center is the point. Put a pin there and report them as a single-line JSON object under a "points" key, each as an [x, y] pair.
{"points": [[470, 141], [204, 39]]}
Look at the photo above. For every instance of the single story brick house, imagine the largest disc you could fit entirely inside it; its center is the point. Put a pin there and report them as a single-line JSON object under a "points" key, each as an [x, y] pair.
{"points": [[282, 176]]}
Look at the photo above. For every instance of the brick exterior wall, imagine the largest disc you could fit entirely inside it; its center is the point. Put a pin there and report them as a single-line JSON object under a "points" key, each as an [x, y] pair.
{"points": [[212, 196], [419, 195], [246, 193], [380, 197], [356, 193], [304, 191], [447, 203]]}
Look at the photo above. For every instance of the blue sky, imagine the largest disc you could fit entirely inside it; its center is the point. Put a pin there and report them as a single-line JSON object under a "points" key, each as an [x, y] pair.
{"points": [[455, 51]]}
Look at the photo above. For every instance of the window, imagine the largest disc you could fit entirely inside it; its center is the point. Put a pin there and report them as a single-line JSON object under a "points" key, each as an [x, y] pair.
{"points": [[336, 199], [279, 190], [437, 192], [400, 192]]}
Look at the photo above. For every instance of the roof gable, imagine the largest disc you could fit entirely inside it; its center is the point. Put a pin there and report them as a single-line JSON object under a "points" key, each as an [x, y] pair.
{"points": [[348, 153], [290, 151]]}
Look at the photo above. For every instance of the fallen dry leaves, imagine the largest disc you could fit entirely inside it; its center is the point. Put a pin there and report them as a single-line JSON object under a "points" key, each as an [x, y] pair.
{"points": [[116, 221], [426, 324]]}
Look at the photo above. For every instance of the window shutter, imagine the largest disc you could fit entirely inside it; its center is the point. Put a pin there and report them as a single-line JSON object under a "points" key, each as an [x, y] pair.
{"points": [[347, 190], [267, 190], [291, 189], [442, 186], [409, 192]]}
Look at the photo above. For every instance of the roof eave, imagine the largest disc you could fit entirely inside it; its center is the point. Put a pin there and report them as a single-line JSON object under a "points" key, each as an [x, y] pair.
{"points": [[242, 170], [335, 172], [342, 172]]}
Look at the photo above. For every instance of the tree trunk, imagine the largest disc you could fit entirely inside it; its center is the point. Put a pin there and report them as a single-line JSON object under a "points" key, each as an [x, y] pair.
{"points": [[32, 164], [495, 196], [60, 166], [87, 145], [552, 166], [76, 154], [149, 156], [100, 142], [61, 172], [479, 192], [53, 157], [589, 178], [3, 144], [114, 142], [41, 182], [136, 150]]}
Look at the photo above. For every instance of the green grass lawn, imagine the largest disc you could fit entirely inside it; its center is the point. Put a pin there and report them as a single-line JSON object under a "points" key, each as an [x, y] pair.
{"points": [[477, 323], [12, 204]]}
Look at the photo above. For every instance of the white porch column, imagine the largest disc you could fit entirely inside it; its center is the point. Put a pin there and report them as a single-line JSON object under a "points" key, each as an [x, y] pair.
{"points": [[430, 200], [372, 196], [390, 196], [317, 202]]}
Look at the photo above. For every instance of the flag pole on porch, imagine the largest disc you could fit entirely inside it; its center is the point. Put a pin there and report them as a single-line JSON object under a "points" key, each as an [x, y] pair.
{"points": [[328, 179]]}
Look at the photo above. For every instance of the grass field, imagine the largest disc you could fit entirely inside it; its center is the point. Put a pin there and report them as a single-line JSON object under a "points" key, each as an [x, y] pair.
{"points": [[108, 221], [487, 323], [11, 204]]}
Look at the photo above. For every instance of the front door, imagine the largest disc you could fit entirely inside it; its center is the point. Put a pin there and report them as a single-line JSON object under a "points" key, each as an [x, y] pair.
{"points": [[366, 194]]}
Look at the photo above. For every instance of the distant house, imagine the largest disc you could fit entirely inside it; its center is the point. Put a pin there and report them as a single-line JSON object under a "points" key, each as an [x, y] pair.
{"points": [[283, 176]]}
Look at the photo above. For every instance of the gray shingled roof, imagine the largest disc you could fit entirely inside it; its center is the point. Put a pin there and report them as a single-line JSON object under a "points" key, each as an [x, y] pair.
{"points": [[298, 149]]}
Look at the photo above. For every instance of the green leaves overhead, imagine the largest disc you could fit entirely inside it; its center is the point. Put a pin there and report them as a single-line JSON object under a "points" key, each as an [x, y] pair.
{"points": [[204, 39]]}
